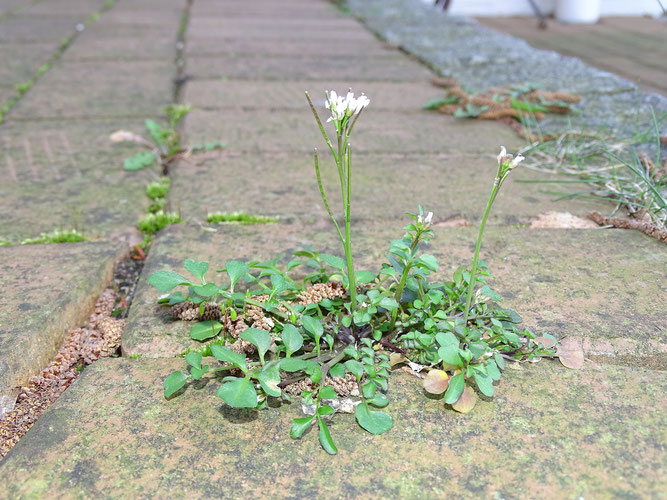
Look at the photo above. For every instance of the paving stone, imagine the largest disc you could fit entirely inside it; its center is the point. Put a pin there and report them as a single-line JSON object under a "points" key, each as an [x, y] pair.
{"points": [[123, 42], [613, 302], [554, 432], [15, 69], [47, 289], [265, 10], [268, 29], [72, 9], [280, 95], [112, 89], [377, 131], [197, 45], [384, 188], [27, 29], [298, 67], [57, 177]]}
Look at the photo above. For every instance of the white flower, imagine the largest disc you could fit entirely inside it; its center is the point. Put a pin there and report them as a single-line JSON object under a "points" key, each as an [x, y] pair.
{"points": [[425, 220], [503, 154], [518, 159], [507, 160], [342, 107]]}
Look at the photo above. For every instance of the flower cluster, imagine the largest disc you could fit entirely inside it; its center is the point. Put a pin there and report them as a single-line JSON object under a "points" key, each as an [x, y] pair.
{"points": [[508, 161], [345, 107]]}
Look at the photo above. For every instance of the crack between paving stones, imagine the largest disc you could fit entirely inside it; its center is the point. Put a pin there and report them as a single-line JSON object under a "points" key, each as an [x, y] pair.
{"points": [[35, 398]]}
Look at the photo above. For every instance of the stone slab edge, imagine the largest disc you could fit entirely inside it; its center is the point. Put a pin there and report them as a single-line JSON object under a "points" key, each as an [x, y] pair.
{"points": [[74, 314]]}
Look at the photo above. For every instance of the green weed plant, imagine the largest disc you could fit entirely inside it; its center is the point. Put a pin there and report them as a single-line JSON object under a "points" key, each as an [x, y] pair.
{"points": [[397, 313]]}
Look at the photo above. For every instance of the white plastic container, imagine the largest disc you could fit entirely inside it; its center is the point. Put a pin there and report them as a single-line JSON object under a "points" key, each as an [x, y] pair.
{"points": [[578, 11]]}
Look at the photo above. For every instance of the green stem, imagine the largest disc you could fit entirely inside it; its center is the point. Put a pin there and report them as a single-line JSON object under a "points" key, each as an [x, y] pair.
{"points": [[324, 197], [475, 260], [348, 242], [319, 124]]}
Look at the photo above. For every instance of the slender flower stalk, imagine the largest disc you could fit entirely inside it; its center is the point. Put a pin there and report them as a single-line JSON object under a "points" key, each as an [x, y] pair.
{"points": [[344, 113], [506, 163]]}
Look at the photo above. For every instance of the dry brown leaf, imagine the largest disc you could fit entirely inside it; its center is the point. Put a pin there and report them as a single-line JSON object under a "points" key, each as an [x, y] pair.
{"points": [[396, 358], [466, 401], [545, 342], [436, 382], [570, 353]]}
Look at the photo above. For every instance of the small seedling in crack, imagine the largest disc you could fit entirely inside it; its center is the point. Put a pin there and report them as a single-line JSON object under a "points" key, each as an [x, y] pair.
{"points": [[164, 143]]}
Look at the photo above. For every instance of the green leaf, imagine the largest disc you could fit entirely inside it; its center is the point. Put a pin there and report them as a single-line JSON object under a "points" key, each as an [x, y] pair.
{"points": [[208, 290], [325, 438], [205, 330], [226, 355], [197, 268], [449, 348], [325, 410], [492, 370], [239, 393], [438, 102], [364, 276], [379, 400], [499, 360], [197, 373], [174, 382], [369, 389], [455, 388], [337, 370], [236, 270], [259, 338], [293, 364], [484, 382], [300, 425], [193, 359], [355, 368], [139, 161], [487, 292], [333, 261], [375, 422], [292, 339], [389, 303], [313, 326], [327, 392], [269, 378], [429, 261], [167, 280], [157, 132]]}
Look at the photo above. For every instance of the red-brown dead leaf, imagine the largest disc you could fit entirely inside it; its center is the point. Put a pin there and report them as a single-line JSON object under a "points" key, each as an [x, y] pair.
{"points": [[436, 382], [466, 401]]}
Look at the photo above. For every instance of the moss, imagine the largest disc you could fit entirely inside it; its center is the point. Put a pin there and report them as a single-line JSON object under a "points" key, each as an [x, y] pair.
{"points": [[239, 218], [72, 236], [152, 223], [158, 189]]}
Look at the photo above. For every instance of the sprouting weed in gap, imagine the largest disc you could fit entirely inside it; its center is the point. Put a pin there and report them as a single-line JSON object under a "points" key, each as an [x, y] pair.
{"points": [[164, 144], [5, 243], [339, 331], [56, 236], [239, 218]]}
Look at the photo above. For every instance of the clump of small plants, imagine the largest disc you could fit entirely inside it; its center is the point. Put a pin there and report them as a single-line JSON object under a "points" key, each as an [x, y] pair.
{"points": [[515, 102], [318, 329], [157, 217], [56, 236], [164, 143], [239, 218]]}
